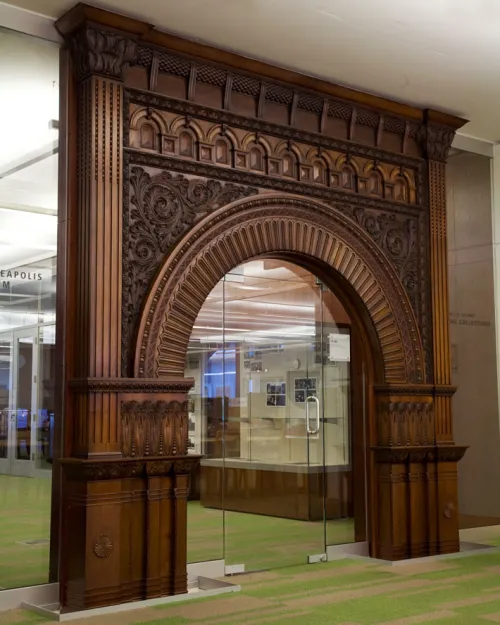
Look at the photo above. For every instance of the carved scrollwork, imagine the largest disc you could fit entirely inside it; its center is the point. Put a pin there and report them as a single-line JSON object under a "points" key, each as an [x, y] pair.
{"points": [[154, 428], [162, 206], [184, 466], [160, 467], [293, 224], [102, 52], [85, 471]]}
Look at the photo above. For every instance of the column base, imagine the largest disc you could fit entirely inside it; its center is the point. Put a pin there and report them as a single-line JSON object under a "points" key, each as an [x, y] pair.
{"points": [[417, 512], [122, 537]]}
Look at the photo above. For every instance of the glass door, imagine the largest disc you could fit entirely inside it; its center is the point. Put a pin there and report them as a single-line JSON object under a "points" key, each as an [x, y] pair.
{"points": [[270, 414], [273, 446], [337, 439], [18, 402]]}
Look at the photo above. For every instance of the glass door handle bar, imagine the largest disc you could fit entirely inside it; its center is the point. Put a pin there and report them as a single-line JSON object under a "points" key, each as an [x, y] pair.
{"points": [[309, 401]]}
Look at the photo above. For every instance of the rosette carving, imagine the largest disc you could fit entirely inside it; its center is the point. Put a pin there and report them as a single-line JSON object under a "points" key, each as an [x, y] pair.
{"points": [[103, 546]]}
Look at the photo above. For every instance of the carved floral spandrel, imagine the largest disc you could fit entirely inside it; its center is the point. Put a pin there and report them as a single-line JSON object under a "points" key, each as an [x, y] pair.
{"points": [[368, 185], [154, 428], [160, 207], [258, 226]]}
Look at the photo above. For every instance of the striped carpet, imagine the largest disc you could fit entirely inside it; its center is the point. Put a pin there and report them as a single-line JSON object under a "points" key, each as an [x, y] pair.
{"points": [[454, 591], [459, 591]]}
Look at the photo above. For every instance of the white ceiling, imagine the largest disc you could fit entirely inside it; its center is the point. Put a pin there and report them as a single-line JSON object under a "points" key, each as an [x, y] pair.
{"points": [[442, 54]]}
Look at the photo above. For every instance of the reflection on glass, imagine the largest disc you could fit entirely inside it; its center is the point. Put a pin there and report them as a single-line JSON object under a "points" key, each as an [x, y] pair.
{"points": [[5, 387], [28, 249], [24, 397], [271, 415], [206, 412], [46, 388]]}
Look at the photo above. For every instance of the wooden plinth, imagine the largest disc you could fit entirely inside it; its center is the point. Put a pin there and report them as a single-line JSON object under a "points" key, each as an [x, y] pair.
{"points": [[124, 533]]}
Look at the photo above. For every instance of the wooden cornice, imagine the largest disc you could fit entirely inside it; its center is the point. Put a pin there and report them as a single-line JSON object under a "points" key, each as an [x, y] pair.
{"points": [[147, 34]]}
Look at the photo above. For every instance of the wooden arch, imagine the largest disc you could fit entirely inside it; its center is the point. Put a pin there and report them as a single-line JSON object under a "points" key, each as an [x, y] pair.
{"points": [[273, 224]]}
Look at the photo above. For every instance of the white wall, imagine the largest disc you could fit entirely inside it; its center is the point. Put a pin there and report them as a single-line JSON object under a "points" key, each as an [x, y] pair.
{"points": [[473, 337]]}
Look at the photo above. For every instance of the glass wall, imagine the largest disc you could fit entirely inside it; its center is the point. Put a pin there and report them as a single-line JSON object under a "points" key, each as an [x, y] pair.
{"points": [[29, 74], [271, 415]]}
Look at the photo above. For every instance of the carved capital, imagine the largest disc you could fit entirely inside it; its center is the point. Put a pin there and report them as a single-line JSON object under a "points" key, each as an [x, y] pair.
{"points": [[154, 428], [95, 471], [101, 52], [404, 455], [131, 385], [435, 141], [185, 465]]}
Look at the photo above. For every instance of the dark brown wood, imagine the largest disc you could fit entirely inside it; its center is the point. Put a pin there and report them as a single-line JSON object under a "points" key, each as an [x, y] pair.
{"points": [[66, 250], [289, 495], [227, 159], [148, 34]]}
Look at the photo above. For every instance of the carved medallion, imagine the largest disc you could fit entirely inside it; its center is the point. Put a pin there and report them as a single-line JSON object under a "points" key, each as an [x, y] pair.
{"points": [[103, 546]]}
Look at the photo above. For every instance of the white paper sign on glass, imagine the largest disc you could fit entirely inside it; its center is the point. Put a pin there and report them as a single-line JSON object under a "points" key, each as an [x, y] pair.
{"points": [[340, 347]]}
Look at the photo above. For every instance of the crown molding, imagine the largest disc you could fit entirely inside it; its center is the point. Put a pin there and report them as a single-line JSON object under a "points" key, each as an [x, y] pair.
{"points": [[146, 33]]}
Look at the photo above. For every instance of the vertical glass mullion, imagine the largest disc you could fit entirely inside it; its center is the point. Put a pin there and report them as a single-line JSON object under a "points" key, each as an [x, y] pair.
{"points": [[224, 416], [322, 413]]}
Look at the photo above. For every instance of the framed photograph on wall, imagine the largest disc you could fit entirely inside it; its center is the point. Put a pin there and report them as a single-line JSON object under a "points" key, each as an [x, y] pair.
{"points": [[304, 388], [276, 394]]}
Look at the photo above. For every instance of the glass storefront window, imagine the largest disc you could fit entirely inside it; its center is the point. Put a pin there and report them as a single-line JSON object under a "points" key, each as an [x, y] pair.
{"points": [[29, 74]]}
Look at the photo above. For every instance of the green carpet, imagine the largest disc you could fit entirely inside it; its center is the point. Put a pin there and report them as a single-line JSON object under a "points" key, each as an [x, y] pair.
{"points": [[259, 542], [25, 517], [452, 591], [455, 591]]}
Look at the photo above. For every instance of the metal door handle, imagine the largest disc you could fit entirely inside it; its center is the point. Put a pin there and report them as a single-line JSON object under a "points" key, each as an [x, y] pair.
{"points": [[309, 400]]}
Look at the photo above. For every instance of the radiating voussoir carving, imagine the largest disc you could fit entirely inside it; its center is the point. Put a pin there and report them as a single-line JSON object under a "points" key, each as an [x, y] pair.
{"points": [[271, 224], [154, 428], [161, 208]]}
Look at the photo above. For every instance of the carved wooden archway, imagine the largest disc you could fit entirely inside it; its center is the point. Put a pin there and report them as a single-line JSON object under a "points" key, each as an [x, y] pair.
{"points": [[208, 128], [270, 224]]}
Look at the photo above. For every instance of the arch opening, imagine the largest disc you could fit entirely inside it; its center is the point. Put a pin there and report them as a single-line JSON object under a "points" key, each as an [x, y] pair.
{"points": [[310, 233], [277, 414]]}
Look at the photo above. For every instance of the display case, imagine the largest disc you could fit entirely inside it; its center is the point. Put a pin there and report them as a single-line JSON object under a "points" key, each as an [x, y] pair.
{"points": [[283, 424]]}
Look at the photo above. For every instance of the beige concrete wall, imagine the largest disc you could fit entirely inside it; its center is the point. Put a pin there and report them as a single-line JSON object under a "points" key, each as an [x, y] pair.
{"points": [[473, 338]]}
